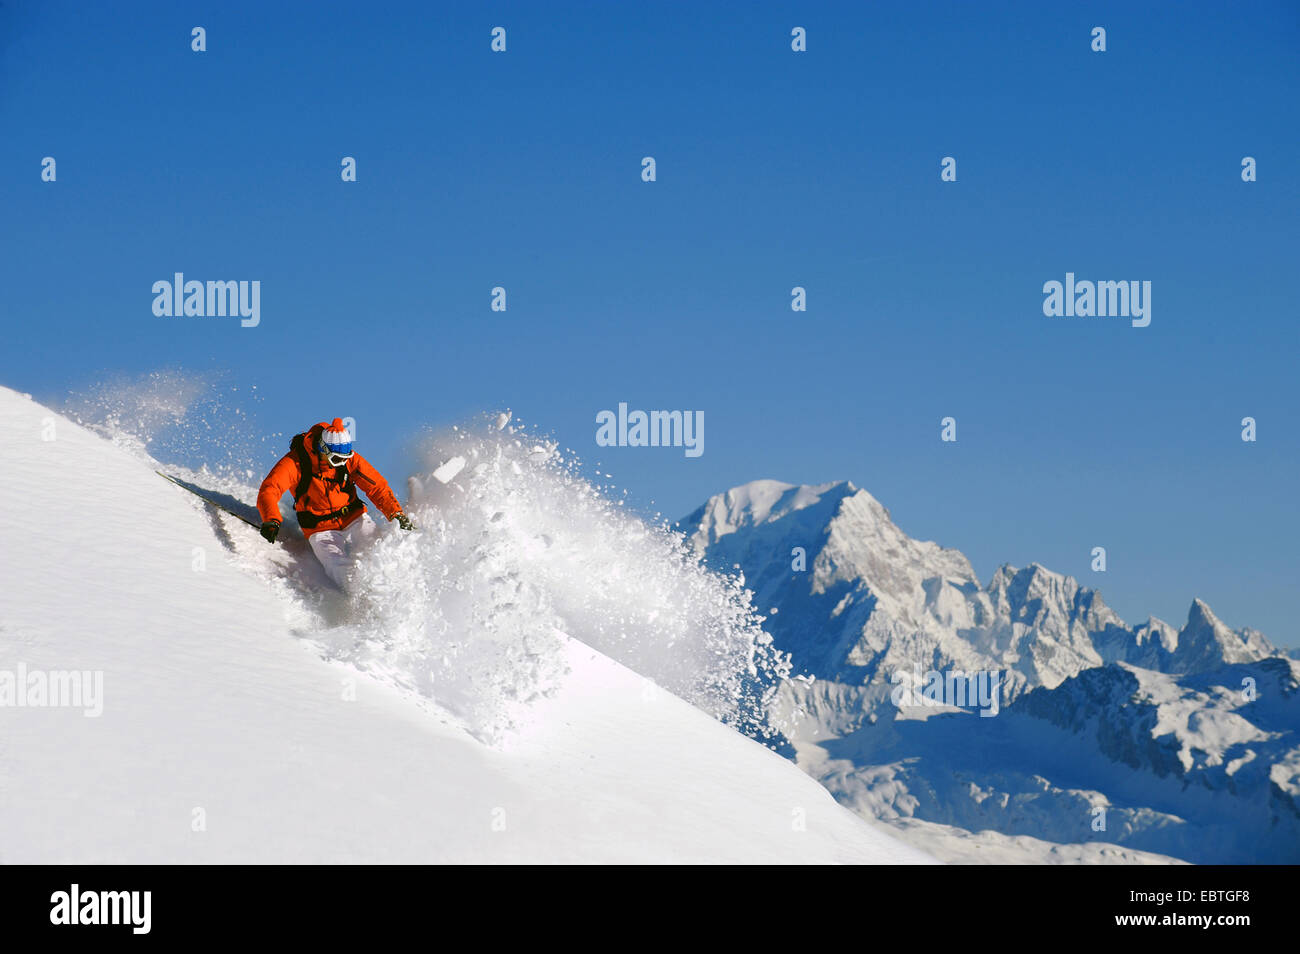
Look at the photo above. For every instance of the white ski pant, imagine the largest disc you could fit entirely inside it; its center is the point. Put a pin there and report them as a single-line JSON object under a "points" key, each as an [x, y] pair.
{"points": [[337, 549]]}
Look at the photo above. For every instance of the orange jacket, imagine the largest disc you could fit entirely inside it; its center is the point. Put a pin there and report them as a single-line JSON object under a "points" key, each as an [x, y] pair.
{"points": [[329, 489]]}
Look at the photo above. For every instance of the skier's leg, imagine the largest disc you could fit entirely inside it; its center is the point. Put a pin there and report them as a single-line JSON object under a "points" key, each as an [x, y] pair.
{"points": [[330, 547], [362, 533]]}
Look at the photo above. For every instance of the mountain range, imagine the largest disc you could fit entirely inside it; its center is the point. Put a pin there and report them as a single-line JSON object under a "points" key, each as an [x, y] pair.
{"points": [[1150, 742]]}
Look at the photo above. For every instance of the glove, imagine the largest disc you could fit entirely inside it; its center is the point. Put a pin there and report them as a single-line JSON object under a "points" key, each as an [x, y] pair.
{"points": [[403, 521], [270, 530]]}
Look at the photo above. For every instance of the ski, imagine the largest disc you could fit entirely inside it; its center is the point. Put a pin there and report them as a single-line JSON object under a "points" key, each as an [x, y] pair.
{"points": [[207, 496]]}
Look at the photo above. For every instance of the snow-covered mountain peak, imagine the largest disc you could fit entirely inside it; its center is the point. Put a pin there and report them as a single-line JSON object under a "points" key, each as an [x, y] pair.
{"points": [[1199, 616], [883, 598], [1207, 641], [762, 502], [863, 542], [1156, 632], [1127, 717], [1036, 595]]}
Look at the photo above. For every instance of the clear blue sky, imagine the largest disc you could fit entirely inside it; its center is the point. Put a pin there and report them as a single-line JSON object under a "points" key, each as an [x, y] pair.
{"points": [[775, 169]]}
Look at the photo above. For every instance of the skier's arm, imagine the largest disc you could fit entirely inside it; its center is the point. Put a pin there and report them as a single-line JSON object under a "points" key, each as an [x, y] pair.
{"points": [[282, 478], [376, 488]]}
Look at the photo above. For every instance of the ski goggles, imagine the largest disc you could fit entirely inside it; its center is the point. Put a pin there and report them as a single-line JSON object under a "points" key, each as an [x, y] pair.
{"points": [[336, 454]]}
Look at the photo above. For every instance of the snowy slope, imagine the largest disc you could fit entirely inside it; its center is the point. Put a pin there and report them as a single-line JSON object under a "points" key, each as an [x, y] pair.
{"points": [[225, 736], [1153, 724]]}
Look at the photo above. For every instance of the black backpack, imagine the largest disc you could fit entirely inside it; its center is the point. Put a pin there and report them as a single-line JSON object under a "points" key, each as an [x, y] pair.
{"points": [[298, 448]]}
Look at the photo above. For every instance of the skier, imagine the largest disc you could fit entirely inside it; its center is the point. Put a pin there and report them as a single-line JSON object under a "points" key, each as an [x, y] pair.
{"points": [[323, 473]]}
